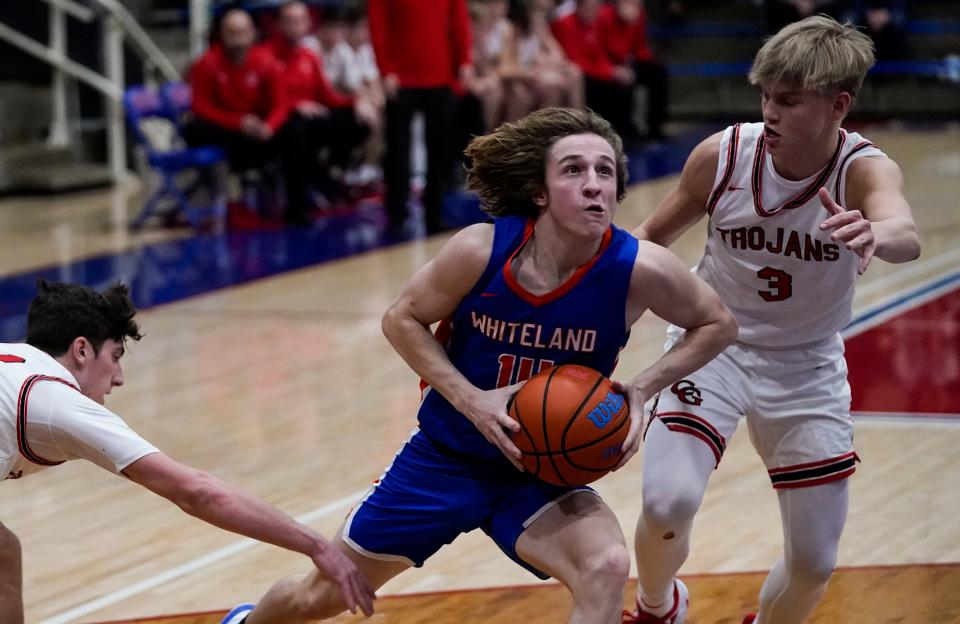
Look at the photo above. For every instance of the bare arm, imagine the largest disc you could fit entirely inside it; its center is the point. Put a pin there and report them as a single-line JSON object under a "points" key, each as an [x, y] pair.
{"points": [[433, 294], [878, 221], [228, 507], [686, 203], [664, 285]]}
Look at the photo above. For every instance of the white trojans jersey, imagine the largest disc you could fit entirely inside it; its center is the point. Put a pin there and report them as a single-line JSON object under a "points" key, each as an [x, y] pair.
{"points": [[785, 281], [60, 424]]}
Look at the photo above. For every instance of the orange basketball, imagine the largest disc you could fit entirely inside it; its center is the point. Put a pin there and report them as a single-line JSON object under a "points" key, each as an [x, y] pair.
{"points": [[572, 425]]}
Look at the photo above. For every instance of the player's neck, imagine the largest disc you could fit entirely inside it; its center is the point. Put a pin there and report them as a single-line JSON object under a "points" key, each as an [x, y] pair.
{"points": [[555, 254], [805, 161]]}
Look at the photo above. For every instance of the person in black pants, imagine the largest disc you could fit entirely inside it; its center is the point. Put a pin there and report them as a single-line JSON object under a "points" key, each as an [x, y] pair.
{"points": [[423, 48]]}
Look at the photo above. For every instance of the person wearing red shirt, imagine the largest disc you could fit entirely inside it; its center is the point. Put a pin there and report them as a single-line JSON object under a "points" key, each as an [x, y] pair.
{"points": [[423, 49], [622, 32], [606, 84], [238, 100], [320, 117]]}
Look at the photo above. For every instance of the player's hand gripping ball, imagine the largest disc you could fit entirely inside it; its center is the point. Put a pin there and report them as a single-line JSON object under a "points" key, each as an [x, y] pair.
{"points": [[572, 425]]}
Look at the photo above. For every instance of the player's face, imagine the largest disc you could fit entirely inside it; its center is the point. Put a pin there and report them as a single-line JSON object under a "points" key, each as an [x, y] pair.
{"points": [[582, 183], [794, 118], [102, 371]]}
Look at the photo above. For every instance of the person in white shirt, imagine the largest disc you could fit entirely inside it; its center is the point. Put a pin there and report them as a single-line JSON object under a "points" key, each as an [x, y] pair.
{"points": [[797, 207], [52, 390]]}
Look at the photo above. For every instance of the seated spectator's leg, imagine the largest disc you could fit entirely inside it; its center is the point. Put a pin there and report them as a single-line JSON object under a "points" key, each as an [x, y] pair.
{"points": [[653, 75], [438, 119], [574, 78], [518, 101], [345, 134], [296, 149], [470, 122], [550, 87], [396, 161], [242, 151], [614, 103]]}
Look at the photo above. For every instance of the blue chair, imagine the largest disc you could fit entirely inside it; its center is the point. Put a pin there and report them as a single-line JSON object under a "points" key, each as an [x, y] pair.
{"points": [[142, 104]]}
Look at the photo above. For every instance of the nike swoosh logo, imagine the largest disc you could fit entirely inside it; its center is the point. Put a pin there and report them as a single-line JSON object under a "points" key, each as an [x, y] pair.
{"points": [[488, 294]]}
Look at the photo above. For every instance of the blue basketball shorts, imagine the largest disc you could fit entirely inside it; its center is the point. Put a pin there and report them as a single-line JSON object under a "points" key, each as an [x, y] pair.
{"points": [[428, 496]]}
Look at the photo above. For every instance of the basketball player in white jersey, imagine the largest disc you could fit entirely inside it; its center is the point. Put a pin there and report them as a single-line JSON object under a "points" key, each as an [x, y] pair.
{"points": [[796, 209], [52, 391]]}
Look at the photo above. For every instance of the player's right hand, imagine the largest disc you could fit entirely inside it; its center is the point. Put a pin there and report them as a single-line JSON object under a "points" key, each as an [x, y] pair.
{"points": [[343, 573], [488, 413]]}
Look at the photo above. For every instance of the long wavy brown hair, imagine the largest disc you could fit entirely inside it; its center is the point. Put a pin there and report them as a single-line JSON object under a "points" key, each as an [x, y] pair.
{"points": [[507, 168]]}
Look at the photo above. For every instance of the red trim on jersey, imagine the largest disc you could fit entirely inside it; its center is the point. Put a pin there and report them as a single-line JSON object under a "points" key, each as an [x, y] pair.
{"points": [[11, 359], [792, 485], [824, 462], [842, 170], [824, 471], [442, 334], [728, 173], [805, 195], [565, 287], [22, 401]]}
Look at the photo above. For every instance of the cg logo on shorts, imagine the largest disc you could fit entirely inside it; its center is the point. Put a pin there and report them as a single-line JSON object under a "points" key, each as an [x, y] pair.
{"points": [[605, 410], [687, 392]]}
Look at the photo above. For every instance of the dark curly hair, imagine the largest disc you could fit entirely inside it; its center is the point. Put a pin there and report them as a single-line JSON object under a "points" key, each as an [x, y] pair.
{"points": [[507, 168], [60, 313]]}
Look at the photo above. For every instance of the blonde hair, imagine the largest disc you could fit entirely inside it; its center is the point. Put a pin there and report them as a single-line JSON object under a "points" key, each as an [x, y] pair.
{"points": [[507, 168], [815, 54]]}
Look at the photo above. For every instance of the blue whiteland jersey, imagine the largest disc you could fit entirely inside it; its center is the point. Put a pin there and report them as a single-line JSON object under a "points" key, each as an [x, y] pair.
{"points": [[501, 334]]}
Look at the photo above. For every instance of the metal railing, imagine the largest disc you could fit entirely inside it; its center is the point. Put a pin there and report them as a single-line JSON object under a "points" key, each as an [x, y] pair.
{"points": [[118, 25]]}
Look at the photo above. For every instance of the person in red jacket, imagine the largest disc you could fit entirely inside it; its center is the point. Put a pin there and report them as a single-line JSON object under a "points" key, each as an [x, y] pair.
{"points": [[622, 30], [238, 100], [606, 84], [423, 48], [320, 117]]}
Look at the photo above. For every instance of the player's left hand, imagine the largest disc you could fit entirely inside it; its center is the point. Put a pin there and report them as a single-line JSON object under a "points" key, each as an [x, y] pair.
{"points": [[635, 400], [851, 228]]}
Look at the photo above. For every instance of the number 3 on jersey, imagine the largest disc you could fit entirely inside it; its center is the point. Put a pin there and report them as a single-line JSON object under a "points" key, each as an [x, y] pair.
{"points": [[779, 283], [512, 371]]}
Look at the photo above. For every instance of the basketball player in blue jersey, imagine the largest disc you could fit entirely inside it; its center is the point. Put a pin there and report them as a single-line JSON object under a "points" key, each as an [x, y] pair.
{"points": [[551, 281], [797, 207]]}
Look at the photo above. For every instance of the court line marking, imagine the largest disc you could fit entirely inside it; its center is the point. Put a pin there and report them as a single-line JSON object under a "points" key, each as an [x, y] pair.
{"points": [[192, 566]]}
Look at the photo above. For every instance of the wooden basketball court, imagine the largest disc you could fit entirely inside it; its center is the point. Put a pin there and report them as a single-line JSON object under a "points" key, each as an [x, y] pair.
{"points": [[286, 387]]}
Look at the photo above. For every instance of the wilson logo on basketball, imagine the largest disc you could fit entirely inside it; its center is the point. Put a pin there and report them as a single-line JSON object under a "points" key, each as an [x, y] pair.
{"points": [[687, 392], [606, 410]]}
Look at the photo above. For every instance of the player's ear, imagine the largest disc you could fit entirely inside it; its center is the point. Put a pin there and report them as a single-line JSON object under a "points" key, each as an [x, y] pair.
{"points": [[842, 103], [540, 198], [81, 349]]}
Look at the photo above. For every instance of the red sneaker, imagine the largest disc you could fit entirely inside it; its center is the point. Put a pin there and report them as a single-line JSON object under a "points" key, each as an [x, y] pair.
{"points": [[676, 615]]}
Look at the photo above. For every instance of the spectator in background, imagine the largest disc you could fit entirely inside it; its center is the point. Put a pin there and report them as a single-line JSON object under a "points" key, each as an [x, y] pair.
{"points": [[238, 98], [422, 47], [321, 118], [885, 21], [779, 13], [481, 103], [622, 29], [608, 85], [535, 70]]}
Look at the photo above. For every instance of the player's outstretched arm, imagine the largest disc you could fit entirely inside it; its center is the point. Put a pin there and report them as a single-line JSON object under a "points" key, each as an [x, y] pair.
{"points": [[686, 203], [223, 505], [878, 221], [431, 295], [664, 285]]}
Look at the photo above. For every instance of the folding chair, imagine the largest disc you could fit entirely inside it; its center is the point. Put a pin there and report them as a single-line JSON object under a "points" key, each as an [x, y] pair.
{"points": [[150, 117]]}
